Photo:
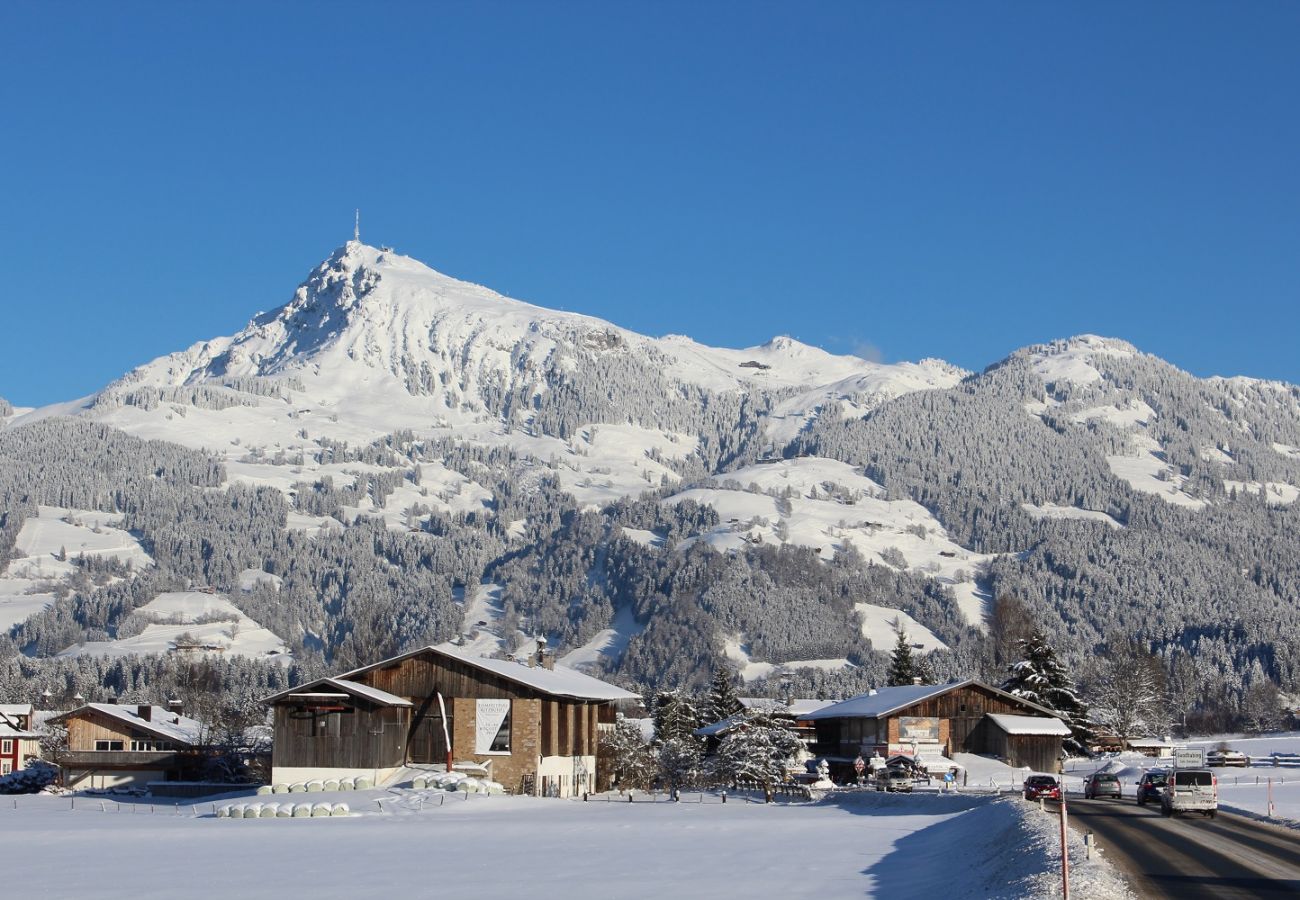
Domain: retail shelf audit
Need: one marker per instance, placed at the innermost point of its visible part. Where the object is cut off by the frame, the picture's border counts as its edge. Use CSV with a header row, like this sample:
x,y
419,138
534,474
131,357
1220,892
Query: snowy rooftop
x,y
7,731
162,722
560,681
797,708
1029,724
15,709
883,701
373,694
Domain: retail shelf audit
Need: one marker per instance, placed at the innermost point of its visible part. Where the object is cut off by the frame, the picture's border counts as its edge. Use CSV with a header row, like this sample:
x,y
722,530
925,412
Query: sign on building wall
x,y
918,728
489,716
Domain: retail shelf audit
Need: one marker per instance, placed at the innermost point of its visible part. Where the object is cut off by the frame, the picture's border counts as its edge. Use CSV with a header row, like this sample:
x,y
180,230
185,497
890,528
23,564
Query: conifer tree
x,y
902,668
1040,678
722,700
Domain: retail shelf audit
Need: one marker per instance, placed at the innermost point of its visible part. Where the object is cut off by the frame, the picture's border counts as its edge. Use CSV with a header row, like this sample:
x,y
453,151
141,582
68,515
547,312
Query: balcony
x,y
117,759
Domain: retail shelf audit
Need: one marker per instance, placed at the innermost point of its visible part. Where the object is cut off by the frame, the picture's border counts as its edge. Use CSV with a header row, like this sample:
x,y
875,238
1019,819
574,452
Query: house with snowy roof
x,y
112,745
531,724
18,741
930,722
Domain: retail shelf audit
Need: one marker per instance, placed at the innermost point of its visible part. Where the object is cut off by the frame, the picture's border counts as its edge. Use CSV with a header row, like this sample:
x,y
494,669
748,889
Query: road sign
x,y
1189,758
859,765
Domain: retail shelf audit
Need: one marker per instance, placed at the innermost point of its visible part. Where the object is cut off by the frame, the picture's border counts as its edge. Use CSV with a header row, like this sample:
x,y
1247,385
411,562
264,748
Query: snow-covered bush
x,y
37,776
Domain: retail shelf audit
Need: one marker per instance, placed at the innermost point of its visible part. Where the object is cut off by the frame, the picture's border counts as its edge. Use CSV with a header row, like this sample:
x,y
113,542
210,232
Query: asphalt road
x,y
1189,855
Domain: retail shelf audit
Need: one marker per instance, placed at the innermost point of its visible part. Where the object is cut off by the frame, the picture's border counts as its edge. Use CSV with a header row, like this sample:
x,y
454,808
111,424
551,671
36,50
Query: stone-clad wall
x,y
525,741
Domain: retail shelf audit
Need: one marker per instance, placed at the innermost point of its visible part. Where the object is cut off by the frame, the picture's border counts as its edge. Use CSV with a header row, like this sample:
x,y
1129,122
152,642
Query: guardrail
x,y
1277,760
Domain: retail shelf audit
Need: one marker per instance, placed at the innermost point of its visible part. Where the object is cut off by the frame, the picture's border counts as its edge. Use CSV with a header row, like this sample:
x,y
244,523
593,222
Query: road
x,y
1189,855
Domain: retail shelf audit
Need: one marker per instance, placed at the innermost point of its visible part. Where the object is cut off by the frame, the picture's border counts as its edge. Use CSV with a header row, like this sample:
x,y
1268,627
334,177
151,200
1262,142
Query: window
x,y
6,767
7,746
501,743
108,745
150,745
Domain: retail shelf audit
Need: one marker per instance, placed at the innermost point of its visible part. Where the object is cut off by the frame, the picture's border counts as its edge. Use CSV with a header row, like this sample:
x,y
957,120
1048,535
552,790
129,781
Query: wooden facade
x,y
113,750
545,743
959,716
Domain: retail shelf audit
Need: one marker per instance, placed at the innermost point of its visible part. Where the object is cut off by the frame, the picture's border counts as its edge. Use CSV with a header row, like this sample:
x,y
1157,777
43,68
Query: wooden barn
x,y
931,722
127,746
531,724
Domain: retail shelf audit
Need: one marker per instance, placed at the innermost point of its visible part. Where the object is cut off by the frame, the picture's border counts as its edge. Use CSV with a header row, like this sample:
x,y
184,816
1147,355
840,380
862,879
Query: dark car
x,y
1042,786
1101,784
1150,786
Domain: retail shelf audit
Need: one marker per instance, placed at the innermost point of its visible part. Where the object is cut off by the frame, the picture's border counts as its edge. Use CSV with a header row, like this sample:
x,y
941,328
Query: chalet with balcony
x,y
113,745
531,724
931,722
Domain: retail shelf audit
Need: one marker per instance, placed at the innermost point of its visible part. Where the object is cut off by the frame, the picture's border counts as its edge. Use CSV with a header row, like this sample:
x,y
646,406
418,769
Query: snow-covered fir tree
x,y
759,749
1040,678
902,667
631,762
722,700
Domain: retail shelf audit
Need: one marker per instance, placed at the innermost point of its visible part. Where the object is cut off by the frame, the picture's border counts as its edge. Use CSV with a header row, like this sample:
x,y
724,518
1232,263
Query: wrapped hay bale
x,y
252,810
363,783
279,788
223,812
269,810
264,790
331,784
347,784
315,786
298,787
302,810
340,809
321,810
420,782
283,810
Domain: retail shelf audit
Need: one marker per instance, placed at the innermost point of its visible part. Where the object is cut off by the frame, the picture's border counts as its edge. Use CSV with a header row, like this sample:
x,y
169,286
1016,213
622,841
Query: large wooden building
x,y
531,724
936,721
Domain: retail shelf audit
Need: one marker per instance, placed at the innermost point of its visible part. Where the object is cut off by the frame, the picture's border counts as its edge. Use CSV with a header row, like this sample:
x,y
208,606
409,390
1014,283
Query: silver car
x,y
1101,784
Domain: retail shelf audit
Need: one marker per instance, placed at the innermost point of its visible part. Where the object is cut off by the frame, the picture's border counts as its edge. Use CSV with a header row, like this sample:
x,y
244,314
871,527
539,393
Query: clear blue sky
x,y
898,179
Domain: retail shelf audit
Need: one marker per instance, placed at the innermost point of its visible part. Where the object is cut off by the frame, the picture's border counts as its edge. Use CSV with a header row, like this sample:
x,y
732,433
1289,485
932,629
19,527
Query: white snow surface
x,y
737,651
608,644
905,848
177,616
1276,493
28,583
1145,470
1072,359
1053,511
878,624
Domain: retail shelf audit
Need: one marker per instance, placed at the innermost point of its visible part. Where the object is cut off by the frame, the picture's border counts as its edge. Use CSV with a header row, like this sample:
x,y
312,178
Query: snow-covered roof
x,y
1029,724
373,694
7,731
797,708
886,700
1150,742
559,682
161,722
15,709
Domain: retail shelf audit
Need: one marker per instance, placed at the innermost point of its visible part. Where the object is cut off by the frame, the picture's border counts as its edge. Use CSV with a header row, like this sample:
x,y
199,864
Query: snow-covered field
x,y
49,544
855,845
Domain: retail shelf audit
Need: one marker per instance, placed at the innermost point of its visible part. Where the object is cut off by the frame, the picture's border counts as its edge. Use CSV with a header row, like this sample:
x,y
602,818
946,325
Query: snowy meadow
x,y
859,845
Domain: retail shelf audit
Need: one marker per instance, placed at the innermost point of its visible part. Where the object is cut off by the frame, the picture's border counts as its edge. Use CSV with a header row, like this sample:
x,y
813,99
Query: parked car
x,y
1042,786
1226,758
1151,785
1101,784
894,779
1190,790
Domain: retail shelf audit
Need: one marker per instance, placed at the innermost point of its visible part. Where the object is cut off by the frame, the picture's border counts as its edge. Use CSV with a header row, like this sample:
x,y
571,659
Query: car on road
x,y
1042,786
1226,758
1190,790
894,778
1151,786
1101,784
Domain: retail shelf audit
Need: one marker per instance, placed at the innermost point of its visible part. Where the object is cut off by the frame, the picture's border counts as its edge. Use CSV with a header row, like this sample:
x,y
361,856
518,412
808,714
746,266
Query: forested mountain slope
x,y
395,457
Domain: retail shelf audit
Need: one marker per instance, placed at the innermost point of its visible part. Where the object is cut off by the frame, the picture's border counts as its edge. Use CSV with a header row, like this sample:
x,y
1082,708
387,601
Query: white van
x,y
1190,790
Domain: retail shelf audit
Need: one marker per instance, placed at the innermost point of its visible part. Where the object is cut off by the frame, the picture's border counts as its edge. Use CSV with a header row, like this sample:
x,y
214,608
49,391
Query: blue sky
x,y
898,180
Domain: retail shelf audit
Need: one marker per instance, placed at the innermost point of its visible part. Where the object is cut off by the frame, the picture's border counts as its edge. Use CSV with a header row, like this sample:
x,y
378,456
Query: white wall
x,y
559,769
296,774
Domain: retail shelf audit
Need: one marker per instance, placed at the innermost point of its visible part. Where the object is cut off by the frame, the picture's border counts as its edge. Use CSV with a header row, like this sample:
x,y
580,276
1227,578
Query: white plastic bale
x,y
237,811
298,787
331,784
419,782
269,810
264,790
253,811
223,812
284,810
279,788
363,783
347,784
315,786
340,809
302,810
319,810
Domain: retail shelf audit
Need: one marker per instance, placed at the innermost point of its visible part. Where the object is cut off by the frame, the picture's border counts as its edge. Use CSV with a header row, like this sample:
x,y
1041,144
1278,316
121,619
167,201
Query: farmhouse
x,y
18,742
931,722
529,723
112,745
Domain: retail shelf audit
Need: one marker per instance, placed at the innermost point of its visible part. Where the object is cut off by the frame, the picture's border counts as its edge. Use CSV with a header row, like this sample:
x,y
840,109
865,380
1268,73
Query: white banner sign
x,y
488,716
1189,758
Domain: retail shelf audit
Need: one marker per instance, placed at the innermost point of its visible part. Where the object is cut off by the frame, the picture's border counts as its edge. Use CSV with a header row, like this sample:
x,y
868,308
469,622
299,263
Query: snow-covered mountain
x,y
474,464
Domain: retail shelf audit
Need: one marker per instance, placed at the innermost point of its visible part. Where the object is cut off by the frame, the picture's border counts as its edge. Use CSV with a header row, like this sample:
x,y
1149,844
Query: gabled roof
x,y
161,722
887,700
1029,724
8,731
798,708
558,682
351,688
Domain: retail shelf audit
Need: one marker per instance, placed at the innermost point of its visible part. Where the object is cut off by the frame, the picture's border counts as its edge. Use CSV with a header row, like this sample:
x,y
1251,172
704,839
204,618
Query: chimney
x,y
145,712
175,707
916,679
548,661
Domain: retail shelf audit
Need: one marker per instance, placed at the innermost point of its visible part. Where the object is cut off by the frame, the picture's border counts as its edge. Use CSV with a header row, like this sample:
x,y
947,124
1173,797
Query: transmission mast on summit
x,y
356,229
